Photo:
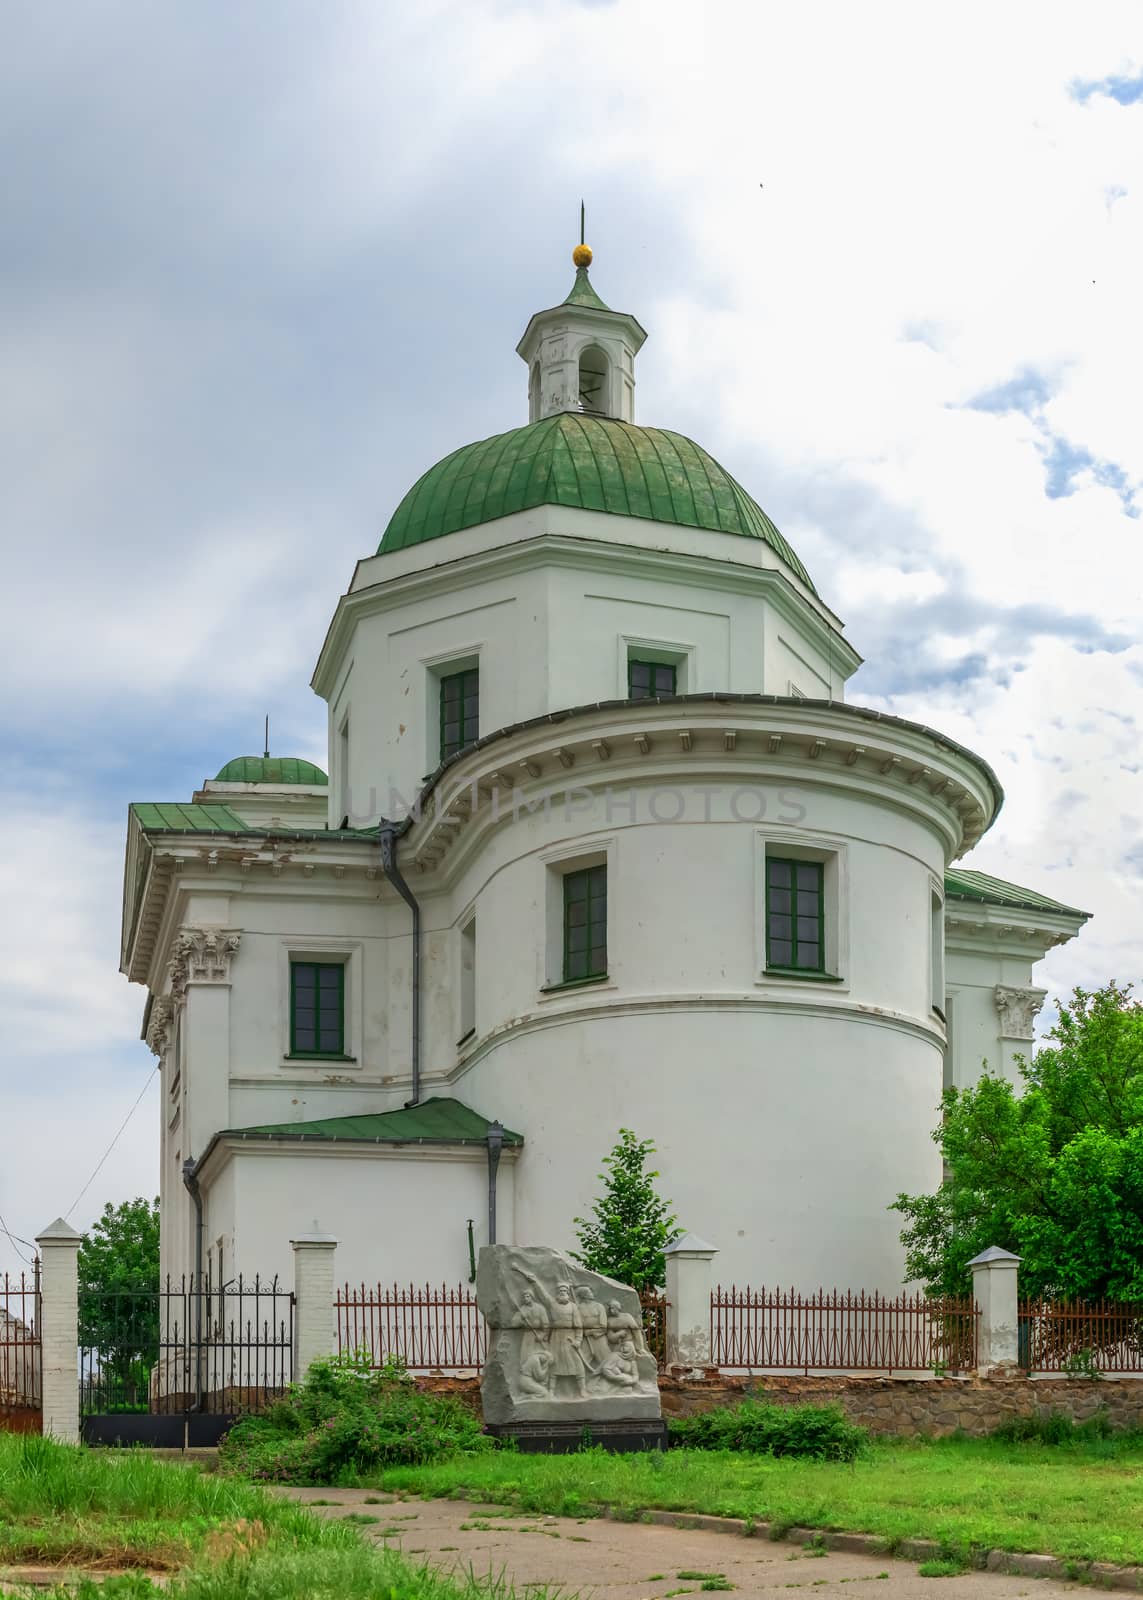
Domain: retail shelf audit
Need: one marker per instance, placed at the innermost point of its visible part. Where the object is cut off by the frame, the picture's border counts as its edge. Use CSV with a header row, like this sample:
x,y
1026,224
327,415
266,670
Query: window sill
x,y
318,1055
575,983
801,975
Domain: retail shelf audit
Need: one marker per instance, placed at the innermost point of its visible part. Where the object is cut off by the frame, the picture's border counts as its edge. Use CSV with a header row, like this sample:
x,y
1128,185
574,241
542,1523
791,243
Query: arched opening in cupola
x,y
534,392
594,381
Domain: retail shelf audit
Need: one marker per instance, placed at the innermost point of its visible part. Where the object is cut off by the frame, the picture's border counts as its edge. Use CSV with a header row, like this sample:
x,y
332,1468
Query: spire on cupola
x,y
581,354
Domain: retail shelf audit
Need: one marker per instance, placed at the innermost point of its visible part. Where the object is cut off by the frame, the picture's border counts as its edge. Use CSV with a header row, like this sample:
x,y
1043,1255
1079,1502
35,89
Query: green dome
x,y
595,463
270,769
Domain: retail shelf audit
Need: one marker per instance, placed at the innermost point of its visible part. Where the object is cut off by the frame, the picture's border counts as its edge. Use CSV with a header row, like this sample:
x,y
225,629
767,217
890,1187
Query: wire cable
x,y
15,1241
114,1142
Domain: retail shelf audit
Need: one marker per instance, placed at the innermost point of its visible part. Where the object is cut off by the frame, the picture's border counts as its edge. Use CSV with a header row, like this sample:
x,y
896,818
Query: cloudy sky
x,y
263,264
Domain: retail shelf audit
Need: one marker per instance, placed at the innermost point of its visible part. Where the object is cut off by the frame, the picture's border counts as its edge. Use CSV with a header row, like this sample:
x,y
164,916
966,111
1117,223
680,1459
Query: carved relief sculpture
x,y
202,955
1017,1009
564,1344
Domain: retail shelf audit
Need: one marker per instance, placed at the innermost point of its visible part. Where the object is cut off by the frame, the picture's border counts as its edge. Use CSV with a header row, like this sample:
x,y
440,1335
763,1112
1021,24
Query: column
x,y
994,1287
315,1330
59,1329
688,1301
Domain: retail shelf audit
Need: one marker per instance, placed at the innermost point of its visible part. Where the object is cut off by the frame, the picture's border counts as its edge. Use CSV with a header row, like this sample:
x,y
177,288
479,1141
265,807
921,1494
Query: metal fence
x,y
187,1346
1073,1336
428,1329
21,1367
654,1307
841,1331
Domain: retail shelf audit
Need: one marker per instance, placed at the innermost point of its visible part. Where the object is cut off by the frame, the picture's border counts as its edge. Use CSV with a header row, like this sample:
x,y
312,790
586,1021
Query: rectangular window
x,y
460,710
317,1008
646,679
585,924
795,915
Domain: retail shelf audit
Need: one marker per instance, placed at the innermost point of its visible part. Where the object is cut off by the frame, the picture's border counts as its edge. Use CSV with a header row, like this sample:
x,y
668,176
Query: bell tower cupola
x,y
581,354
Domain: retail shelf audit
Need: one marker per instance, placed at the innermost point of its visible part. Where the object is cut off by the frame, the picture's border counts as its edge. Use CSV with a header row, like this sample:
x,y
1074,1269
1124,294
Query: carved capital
x,y
201,955
163,1009
1017,1009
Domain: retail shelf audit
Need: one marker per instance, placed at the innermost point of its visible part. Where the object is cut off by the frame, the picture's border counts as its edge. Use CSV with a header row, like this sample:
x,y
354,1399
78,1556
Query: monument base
x,y
563,1438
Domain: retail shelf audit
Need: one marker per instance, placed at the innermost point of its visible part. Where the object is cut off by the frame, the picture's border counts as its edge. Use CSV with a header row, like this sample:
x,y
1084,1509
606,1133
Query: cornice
x,y
544,549
975,927
734,739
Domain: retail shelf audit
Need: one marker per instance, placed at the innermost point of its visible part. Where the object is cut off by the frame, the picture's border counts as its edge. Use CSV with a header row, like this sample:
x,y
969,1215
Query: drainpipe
x,y
387,837
495,1138
190,1180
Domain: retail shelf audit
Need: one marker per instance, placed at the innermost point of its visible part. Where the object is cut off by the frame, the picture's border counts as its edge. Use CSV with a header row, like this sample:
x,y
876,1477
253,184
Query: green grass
x,y
1082,1501
222,1539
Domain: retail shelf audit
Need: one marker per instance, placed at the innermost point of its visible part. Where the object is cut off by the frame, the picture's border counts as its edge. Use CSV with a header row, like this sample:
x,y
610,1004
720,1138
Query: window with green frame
x,y
646,679
317,1008
795,915
460,710
585,924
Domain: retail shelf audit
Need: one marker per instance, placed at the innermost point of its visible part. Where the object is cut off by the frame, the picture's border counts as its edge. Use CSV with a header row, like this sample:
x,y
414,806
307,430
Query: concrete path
x,y
634,1561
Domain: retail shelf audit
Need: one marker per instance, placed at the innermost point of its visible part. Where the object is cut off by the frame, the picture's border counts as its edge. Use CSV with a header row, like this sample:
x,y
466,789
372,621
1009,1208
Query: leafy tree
x,y
630,1225
1054,1174
119,1299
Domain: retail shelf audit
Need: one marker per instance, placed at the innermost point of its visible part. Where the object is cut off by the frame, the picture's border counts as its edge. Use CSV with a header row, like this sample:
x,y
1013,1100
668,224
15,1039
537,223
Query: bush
x,y
344,1420
1053,1427
759,1427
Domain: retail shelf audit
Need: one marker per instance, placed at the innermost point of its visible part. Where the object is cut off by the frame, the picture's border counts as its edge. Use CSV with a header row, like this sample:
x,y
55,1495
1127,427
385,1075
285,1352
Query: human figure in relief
x,y
621,1366
594,1318
565,1338
532,1317
535,1377
622,1325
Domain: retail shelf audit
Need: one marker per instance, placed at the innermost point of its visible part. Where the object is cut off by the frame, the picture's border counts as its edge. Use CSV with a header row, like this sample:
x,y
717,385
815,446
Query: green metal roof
x,y
582,293
175,817
594,463
434,1121
963,884
270,769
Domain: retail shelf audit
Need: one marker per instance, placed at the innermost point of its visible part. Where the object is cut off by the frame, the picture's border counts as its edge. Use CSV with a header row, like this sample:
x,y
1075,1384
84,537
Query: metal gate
x,y
175,1366
21,1366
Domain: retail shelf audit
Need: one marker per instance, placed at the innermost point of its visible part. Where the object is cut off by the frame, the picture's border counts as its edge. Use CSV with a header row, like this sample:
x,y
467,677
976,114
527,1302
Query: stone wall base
x,y
901,1407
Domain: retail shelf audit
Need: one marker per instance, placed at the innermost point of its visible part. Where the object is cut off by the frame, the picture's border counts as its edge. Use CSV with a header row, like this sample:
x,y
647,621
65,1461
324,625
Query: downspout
x,y
495,1139
190,1180
387,838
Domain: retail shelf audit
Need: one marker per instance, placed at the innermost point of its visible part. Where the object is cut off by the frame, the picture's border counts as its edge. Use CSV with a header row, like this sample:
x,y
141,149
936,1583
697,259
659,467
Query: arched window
x,y
594,381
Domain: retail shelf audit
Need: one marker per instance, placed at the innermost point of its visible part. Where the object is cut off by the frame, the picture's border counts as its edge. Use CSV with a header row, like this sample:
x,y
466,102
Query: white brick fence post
x,y
688,1301
995,1289
315,1327
59,1329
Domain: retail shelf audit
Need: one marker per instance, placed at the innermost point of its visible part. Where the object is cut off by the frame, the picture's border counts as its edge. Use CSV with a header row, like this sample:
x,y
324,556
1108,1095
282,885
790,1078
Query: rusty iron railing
x,y
654,1306
428,1329
841,1331
21,1366
1080,1337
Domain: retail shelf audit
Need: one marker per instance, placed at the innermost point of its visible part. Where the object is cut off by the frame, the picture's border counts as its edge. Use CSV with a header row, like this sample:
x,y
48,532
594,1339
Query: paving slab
x,y
644,1561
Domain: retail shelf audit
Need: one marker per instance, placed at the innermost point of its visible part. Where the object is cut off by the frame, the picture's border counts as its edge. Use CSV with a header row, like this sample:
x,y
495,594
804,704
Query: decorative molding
x,y
1017,1009
201,955
163,1009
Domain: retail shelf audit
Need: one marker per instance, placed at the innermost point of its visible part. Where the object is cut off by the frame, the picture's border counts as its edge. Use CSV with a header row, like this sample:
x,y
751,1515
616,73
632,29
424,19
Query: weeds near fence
x,y
758,1427
347,1419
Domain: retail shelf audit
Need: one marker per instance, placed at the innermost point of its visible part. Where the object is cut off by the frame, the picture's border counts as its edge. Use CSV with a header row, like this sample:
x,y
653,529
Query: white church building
x,y
602,845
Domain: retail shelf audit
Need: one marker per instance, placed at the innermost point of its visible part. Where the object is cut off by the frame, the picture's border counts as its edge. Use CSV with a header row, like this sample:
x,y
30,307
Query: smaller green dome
x,y
270,769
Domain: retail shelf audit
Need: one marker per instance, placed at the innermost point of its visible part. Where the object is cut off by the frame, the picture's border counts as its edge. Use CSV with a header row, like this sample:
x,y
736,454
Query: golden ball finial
x,y
581,255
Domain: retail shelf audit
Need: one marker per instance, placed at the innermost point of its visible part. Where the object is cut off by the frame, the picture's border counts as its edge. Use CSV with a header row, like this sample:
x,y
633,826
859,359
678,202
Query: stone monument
x,y
567,1362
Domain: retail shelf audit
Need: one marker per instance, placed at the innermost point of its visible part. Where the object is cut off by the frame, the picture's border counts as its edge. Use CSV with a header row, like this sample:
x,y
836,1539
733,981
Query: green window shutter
x,y
317,1008
585,924
647,679
460,710
795,915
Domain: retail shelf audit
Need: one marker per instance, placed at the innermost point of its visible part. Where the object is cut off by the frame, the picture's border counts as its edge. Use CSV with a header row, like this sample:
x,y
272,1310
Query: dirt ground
x,y
634,1561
